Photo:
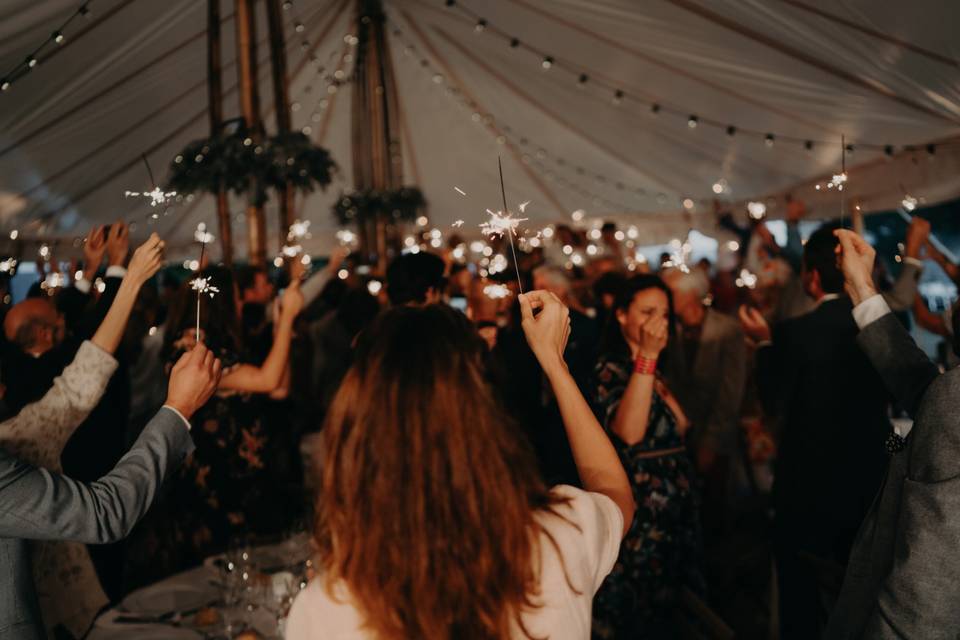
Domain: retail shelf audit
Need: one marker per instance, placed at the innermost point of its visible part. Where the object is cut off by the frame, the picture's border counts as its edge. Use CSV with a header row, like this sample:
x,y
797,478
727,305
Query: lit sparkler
x,y
501,223
156,196
202,286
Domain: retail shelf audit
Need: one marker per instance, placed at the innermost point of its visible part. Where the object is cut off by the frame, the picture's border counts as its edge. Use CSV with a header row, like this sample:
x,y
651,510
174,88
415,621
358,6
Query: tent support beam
x,y
215,95
281,103
250,107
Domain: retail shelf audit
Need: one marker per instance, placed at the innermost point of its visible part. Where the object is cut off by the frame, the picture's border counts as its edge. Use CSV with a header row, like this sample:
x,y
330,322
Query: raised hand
x,y
856,258
291,303
653,337
754,324
146,260
93,250
193,380
118,244
547,332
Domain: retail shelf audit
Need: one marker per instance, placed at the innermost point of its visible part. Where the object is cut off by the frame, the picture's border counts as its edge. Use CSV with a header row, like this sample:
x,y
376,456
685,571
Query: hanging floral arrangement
x,y
236,161
399,205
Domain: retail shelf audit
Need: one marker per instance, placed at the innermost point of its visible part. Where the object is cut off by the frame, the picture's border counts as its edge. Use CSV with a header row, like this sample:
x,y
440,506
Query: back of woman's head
x,y
428,497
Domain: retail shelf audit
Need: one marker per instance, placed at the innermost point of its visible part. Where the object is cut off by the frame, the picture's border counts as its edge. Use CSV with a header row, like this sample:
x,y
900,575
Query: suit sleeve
x,y
905,368
918,598
37,504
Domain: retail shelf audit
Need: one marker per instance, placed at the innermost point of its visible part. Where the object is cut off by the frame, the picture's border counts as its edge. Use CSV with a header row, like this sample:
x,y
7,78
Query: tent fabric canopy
x,y
130,79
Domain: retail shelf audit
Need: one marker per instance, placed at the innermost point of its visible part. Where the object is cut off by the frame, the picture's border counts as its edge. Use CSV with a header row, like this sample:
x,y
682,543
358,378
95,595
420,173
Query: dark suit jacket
x,y
36,504
833,410
903,578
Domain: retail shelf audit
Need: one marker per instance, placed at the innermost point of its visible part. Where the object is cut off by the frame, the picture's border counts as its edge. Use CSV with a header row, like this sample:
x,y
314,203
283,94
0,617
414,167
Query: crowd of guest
x,y
568,462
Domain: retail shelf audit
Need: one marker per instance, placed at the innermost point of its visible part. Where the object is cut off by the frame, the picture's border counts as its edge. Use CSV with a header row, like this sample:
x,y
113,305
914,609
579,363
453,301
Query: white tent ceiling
x,y
130,79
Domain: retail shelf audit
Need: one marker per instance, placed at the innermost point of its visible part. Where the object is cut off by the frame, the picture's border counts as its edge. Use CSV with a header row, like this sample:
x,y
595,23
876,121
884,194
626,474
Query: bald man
x,y
35,326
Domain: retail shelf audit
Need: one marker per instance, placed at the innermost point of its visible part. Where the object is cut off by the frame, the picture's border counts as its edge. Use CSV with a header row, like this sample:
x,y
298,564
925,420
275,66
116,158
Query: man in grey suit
x,y
903,577
706,368
36,504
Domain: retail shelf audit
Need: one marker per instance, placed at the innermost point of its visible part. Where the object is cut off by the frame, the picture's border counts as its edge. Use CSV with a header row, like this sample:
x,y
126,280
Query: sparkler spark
x,y
157,196
203,286
523,205
299,230
458,224
460,191
203,236
501,223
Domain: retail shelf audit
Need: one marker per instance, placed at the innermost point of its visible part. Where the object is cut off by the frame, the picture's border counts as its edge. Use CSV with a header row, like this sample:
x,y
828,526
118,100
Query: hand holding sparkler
x,y
856,258
547,332
193,380
146,260
291,304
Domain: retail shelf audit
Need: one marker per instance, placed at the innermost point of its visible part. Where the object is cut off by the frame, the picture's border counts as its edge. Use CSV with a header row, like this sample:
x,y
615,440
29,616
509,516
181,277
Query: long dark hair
x,y
218,315
428,498
612,342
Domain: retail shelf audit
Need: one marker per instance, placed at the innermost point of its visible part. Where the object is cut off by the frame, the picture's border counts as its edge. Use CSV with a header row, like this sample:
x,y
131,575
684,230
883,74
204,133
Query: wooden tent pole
x,y
250,107
376,132
215,94
281,101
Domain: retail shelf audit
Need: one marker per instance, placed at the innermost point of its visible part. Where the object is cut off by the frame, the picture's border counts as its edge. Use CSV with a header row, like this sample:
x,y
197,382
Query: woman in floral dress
x,y
224,490
662,551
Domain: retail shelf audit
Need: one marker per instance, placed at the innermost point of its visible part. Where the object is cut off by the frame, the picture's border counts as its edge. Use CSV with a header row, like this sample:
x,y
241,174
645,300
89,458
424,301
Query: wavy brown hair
x,y
428,500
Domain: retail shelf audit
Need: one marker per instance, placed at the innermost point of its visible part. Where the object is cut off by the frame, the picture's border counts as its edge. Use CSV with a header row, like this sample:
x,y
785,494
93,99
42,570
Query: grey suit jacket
x,y
903,577
711,390
36,504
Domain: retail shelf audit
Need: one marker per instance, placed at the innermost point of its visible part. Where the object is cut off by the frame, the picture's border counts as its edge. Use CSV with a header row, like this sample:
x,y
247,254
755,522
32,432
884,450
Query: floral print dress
x,y
662,551
222,492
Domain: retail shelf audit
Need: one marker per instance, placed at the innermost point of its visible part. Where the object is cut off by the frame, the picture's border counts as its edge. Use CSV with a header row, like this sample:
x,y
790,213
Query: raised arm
x,y
79,388
905,368
597,462
631,414
40,505
268,376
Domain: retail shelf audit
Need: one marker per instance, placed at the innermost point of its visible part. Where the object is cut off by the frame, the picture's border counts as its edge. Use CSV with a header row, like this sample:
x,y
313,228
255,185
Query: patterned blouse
x,y
67,585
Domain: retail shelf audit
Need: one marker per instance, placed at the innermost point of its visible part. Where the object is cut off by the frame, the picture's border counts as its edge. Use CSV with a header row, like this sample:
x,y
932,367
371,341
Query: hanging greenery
x,y
232,160
400,205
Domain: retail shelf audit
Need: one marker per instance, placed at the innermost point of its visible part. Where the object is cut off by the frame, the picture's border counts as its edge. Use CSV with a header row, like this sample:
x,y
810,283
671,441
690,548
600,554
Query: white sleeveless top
x,y
588,556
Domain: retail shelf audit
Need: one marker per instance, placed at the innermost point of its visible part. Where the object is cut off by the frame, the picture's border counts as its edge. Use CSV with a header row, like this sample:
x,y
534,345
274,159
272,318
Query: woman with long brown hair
x,y
432,520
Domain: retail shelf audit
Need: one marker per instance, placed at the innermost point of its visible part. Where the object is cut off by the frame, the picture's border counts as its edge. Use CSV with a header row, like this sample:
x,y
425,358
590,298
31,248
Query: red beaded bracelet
x,y
645,366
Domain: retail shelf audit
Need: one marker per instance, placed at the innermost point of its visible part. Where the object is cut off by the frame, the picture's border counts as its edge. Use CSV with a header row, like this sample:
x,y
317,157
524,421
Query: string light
x,y
578,72
56,37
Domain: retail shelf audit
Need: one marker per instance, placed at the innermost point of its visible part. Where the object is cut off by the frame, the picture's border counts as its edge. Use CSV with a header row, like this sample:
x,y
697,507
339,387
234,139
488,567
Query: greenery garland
x,y
403,204
230,161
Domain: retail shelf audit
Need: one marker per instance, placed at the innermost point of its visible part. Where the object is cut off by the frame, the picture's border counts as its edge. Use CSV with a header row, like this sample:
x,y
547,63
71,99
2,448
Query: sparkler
x,y
299,231
157,196
202,286
503,222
